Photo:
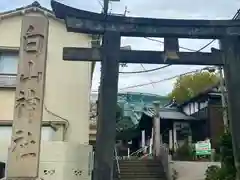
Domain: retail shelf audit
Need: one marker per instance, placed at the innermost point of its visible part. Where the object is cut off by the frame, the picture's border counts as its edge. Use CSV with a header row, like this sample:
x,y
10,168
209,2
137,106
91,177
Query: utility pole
x,y
105,7
223,94
126,11
223,97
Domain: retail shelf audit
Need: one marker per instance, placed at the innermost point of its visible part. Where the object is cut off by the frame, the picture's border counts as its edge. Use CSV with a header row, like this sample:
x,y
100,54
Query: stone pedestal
x,y
65,161
61,160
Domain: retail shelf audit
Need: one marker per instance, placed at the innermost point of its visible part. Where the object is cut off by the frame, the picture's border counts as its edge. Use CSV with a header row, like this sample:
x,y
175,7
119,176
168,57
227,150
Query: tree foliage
x,y
190,85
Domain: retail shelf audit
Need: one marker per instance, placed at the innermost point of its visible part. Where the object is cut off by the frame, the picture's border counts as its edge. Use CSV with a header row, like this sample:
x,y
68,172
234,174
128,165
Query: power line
x,y
155,69
181,47
149,78
144,71
100,3
159,81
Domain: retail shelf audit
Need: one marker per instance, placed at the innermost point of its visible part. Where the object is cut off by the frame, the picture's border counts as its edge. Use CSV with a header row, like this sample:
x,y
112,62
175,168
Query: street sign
x,y
203,147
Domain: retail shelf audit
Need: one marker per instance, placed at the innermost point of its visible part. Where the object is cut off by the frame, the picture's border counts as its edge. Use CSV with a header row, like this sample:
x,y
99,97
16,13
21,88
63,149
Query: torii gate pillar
x,y
230,48
106,126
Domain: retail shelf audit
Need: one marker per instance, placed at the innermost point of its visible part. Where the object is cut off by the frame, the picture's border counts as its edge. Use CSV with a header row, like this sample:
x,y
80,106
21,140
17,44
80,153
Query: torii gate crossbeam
x,y
144,57
94,23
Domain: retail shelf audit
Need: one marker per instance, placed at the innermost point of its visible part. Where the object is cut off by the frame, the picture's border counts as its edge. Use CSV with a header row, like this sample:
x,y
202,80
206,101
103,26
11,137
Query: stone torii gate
x,y
110,55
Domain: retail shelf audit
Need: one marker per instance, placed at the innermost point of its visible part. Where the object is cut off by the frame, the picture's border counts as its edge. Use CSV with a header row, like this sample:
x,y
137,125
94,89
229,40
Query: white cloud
x,y
184,9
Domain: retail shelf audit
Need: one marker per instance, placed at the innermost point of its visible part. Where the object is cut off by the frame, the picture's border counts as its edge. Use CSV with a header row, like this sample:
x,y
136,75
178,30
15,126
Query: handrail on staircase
x,y
117,161
139,151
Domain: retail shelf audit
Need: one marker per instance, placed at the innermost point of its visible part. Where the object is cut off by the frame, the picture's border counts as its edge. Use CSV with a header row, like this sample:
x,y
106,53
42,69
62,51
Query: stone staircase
x,y
141,169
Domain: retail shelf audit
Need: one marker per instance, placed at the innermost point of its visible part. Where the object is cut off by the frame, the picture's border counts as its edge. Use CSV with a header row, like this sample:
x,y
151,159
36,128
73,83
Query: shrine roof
x,y
169,113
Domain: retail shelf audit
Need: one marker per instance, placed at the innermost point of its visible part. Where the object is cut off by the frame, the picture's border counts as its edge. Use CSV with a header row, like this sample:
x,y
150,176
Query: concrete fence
x,y
186,170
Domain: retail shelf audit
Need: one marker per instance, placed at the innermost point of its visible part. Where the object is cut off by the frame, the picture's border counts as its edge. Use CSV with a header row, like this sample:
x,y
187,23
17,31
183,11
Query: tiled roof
x,y
174,114
168,113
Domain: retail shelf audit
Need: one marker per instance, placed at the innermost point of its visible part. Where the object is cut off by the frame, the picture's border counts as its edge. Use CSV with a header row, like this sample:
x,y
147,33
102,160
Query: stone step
x,y
148,169
140,161
137,169
142,175
142,172
137,178
140,166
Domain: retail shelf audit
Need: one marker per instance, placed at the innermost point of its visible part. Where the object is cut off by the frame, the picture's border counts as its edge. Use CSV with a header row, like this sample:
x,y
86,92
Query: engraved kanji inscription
x,y
31,71
26,104
23,142
33,42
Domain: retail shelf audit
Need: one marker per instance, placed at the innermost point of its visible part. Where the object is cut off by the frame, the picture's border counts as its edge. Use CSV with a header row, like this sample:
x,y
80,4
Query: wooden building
x,y
207,107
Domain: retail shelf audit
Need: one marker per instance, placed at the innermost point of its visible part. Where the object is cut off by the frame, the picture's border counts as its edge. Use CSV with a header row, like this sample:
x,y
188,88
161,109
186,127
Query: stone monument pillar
x,y
24,153
28,159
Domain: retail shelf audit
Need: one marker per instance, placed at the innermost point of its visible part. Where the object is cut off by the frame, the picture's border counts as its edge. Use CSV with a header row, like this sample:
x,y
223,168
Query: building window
x,y
6,133
2,170
9,62
186,109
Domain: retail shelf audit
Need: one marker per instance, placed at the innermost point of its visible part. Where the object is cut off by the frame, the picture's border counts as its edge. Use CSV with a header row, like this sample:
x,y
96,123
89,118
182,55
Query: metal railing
x,y
136,153
141,153
8,80
117,163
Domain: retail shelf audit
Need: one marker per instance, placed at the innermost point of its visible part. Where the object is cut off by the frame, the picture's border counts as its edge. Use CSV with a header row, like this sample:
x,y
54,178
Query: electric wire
x,y
100,3
149,78
144,71
156,69
181,47
162,80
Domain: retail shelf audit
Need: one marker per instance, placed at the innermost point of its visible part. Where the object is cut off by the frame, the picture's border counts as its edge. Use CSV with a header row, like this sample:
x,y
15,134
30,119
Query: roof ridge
x,y
35,4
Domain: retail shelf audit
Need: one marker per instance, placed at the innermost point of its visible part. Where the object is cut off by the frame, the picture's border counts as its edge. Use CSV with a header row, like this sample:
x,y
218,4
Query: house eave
x,y
28,9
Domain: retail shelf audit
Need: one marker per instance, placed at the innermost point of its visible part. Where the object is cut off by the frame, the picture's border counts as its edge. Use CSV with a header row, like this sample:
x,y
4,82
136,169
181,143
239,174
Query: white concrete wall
x,y
191,170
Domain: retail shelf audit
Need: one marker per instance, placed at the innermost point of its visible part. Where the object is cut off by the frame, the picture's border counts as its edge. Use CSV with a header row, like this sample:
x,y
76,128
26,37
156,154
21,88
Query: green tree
x,y
190,85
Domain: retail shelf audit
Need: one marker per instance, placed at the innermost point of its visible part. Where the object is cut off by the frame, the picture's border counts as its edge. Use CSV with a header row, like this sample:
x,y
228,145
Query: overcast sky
x,y
181,9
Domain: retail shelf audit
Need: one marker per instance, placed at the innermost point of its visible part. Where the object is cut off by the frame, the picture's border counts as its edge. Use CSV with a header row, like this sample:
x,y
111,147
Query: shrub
x,y
227,170
184,153
212,173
